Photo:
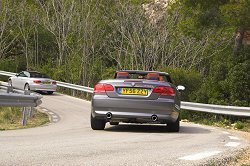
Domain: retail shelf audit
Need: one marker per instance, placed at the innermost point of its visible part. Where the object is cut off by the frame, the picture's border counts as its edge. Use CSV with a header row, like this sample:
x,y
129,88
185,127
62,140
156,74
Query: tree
x,y
230,15
7,37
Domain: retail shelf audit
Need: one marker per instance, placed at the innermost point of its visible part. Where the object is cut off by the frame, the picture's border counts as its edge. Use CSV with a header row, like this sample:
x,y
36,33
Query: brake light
x,y
108,87
164,90
54,82
37,81
103,88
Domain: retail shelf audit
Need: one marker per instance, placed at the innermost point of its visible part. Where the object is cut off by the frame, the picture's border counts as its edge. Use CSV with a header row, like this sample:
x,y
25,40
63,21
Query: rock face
x,y
156,10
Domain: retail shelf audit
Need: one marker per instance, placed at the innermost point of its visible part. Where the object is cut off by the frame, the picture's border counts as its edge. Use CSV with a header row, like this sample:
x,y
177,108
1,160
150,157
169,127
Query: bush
x,y
239,125
190,79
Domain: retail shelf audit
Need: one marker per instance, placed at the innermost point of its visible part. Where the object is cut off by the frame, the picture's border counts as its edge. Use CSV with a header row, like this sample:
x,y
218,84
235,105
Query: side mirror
x,y
17,75
180,88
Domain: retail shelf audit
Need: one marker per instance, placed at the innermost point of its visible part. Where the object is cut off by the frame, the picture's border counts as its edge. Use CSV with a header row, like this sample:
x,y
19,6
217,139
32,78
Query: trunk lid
x,y
134,88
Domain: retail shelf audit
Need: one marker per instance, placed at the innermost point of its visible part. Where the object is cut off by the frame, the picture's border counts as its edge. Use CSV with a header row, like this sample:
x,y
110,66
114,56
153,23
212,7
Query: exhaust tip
x,y
154,118
109,115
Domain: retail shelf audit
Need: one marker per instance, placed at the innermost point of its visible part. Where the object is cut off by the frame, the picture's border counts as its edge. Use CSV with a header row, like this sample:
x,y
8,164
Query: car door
x,y
14,80
19,80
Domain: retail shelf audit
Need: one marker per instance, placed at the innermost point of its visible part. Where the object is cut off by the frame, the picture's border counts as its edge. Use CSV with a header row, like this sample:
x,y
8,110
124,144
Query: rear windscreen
x,y
38,75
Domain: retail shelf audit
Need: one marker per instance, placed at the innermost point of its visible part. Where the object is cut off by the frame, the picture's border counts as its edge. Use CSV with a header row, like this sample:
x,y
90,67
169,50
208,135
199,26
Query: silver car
x,y
135,96
34,81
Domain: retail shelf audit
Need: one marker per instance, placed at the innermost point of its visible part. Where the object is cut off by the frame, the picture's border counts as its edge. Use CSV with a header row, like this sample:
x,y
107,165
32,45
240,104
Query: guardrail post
x,y
30,112
24,121
73,92
26,111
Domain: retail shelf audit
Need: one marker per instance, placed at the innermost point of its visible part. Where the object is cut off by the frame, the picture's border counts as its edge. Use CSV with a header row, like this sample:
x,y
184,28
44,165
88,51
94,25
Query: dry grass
x,y
11,118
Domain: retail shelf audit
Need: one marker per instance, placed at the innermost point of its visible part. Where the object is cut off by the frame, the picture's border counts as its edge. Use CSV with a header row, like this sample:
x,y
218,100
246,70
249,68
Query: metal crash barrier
x,y
210,108
10,97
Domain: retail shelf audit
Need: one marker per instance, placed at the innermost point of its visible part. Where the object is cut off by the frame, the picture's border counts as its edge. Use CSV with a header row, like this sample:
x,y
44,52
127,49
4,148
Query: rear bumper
x,y
134,110
49,87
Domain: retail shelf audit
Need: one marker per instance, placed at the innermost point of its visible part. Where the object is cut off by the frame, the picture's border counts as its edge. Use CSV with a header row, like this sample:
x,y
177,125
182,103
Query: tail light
x,y
37,81
54,82
99,88
164,90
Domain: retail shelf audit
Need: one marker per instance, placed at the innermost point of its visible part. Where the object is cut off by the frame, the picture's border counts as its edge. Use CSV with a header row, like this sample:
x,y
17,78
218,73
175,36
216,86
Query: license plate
x,y
134,91
46,82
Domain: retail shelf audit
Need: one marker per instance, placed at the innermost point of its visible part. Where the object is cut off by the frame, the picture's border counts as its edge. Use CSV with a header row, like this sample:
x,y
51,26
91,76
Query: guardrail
x,y
216,109
210,108
75,87
18,98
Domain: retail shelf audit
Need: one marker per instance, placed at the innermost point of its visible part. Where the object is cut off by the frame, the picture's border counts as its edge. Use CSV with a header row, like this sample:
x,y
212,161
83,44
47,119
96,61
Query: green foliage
x,y
226,84
13,64
239,125
238,81
216,120
140,2
227,79
108,73
83,43
198,16
190,79
236,13
53,70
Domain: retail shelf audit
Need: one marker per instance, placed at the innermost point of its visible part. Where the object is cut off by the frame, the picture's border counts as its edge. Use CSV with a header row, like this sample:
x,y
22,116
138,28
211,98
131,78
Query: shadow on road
x,y
155,129
46,94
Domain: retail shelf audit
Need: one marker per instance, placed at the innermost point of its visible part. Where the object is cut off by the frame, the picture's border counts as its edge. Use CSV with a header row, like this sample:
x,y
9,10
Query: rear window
x,y
38,75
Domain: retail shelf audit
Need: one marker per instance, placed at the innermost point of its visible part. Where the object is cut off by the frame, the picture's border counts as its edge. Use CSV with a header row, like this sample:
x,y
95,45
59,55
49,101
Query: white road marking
x,y
54,116
225,132
51,113
234,138
55,120
45,110
232,144
199,156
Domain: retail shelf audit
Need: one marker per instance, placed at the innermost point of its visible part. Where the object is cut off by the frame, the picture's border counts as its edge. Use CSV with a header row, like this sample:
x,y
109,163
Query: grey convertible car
x,y
32,80
135,96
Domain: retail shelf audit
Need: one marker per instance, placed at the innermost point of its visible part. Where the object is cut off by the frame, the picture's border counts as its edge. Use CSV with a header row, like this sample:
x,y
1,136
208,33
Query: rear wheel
x,y
174,127
114,123
97,124
26,87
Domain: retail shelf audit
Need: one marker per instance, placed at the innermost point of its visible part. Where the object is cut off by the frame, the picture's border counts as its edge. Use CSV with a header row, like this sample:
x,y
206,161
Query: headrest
x,y
153,76
122,75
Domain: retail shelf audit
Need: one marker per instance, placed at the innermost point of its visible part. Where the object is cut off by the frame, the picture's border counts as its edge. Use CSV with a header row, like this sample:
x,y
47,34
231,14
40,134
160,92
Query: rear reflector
x,y
54,82
164,90
103,88
37,81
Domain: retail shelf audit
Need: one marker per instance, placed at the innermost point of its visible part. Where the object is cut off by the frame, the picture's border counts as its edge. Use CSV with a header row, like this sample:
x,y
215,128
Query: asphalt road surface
x,y
69,140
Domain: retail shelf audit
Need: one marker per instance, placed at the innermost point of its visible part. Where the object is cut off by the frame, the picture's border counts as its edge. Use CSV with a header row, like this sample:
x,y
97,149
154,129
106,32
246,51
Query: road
x,y
69,140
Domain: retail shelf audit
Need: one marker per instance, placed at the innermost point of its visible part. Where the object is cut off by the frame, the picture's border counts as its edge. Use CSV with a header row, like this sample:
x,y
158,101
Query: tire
x,y
50,92
174,127
114,123
26,87
97,124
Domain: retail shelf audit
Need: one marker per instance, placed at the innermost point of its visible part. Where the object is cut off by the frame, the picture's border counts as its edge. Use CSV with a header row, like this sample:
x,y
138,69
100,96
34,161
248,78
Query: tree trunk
x,y
238,40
